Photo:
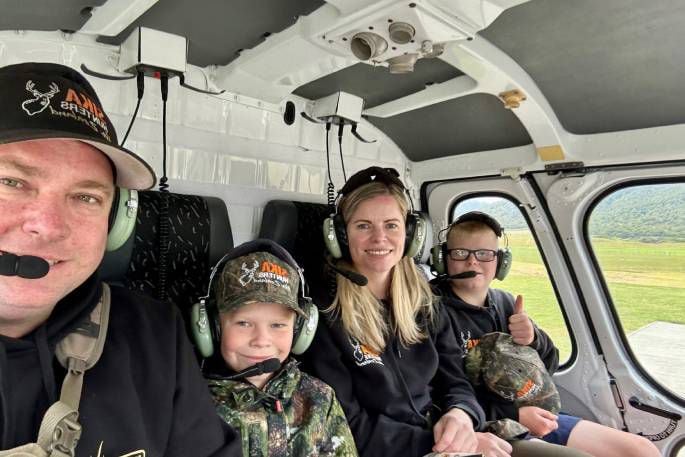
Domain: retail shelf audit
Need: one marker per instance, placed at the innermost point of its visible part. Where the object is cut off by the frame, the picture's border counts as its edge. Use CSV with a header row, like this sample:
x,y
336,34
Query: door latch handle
x,y
636,403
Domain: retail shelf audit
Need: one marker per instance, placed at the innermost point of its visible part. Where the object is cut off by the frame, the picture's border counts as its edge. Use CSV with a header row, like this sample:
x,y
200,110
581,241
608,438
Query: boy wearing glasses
x,y
472,254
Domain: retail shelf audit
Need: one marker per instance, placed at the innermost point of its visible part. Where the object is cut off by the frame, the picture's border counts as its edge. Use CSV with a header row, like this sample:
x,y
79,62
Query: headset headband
x,y
369,175
477,216
388,176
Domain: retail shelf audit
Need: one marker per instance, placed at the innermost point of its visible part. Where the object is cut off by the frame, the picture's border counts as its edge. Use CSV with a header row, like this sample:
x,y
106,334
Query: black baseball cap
x,y
46,100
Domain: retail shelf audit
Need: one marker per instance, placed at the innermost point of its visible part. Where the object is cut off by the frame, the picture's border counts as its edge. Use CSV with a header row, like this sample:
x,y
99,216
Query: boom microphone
x,y
357,278
267,366
24,266
462,275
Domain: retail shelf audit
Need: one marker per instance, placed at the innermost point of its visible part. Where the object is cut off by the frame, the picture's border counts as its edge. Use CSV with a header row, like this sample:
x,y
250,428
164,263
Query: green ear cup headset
x,y
122,217
334,227
204,315
504,256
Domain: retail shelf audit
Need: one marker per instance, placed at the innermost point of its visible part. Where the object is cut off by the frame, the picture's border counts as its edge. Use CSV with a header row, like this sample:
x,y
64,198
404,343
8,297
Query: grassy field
x,y
646,281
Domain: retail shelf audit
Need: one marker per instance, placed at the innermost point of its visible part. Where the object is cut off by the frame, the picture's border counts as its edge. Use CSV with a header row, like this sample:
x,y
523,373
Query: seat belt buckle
x,y
65,437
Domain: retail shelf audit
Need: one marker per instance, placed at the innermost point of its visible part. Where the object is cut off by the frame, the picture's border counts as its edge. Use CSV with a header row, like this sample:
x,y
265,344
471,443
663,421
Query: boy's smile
x,y
254,333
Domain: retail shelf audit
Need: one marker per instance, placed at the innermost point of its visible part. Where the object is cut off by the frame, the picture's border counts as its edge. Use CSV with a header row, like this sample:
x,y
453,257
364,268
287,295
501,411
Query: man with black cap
x,y
144,395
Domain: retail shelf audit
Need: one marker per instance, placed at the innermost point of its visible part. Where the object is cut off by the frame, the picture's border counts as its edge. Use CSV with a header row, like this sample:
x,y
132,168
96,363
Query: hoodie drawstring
x,y
45,357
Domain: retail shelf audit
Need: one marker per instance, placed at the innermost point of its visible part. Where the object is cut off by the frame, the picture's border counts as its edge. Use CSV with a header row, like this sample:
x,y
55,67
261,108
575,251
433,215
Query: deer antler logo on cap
x,y
40,101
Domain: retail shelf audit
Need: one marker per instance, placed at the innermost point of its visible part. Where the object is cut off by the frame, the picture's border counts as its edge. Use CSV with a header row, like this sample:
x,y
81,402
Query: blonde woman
x,y
384,347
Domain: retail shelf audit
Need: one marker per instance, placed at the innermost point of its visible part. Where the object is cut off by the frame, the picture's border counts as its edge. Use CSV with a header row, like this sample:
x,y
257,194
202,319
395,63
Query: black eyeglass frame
x,y
475,253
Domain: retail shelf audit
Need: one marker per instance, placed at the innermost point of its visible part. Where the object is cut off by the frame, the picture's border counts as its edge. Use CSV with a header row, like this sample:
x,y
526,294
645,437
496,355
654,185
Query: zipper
x,y
396,371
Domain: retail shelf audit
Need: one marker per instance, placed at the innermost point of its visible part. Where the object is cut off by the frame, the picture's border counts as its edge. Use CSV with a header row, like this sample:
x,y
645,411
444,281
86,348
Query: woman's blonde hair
x,y
364,317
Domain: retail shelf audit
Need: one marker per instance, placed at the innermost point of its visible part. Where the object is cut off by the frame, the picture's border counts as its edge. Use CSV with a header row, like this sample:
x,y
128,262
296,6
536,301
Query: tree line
x,y
648,213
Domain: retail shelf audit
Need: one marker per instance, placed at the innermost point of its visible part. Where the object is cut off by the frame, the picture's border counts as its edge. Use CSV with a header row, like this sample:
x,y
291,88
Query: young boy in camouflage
x,y
287,412
475,310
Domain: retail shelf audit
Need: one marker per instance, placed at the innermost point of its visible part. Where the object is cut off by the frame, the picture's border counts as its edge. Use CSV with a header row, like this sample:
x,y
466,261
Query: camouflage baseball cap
x,y
512,371
507,429
258,277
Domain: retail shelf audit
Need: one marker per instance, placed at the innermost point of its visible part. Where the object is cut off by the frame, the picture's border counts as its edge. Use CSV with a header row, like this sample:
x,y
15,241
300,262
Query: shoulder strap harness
x,y
77,352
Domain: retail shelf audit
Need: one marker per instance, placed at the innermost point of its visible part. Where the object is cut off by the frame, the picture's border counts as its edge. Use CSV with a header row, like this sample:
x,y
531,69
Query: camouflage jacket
x,y
294,415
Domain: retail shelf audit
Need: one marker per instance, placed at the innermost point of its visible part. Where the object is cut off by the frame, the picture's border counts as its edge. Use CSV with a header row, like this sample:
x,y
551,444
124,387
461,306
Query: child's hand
x,y
492,445
454,432
520,326
539,421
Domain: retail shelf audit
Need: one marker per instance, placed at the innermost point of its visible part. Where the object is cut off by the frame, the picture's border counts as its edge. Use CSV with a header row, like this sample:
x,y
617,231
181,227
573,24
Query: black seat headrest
x,y
298,227
199,233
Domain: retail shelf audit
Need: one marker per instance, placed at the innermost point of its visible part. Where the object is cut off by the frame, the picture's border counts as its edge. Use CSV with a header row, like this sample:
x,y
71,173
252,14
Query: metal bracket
x,y
512,98
90,72
358,136
575,168
514,173
196,89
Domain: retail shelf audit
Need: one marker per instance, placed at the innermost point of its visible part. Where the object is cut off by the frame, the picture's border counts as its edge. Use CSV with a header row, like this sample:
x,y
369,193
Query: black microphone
x,y
357,278
267,366
24,266
462,275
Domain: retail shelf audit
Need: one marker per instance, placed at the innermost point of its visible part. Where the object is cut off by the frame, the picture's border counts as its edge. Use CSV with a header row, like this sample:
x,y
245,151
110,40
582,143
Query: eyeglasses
x,y
482,255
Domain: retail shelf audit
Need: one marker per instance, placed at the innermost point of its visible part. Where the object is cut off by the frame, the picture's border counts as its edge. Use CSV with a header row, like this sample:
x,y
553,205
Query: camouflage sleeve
x,y
196,429
338,431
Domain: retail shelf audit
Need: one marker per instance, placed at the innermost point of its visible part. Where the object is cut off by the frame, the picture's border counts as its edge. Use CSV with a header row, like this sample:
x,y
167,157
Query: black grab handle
x,y
636,403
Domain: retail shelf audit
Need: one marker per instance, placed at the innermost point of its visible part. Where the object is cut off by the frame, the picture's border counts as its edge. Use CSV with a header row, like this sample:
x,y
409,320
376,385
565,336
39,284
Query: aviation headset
x,y
204,315
334,227
504,256
122,217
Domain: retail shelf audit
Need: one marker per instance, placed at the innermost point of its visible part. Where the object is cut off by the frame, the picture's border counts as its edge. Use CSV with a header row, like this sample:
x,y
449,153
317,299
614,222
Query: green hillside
x,y
650,213
645,213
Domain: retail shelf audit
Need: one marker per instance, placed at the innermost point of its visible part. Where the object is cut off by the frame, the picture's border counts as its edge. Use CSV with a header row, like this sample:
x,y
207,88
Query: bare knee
x,y
638,446
642,447
601,441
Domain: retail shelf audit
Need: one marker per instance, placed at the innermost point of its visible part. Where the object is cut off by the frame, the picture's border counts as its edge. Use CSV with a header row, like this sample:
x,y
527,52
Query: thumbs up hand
x,y
520,326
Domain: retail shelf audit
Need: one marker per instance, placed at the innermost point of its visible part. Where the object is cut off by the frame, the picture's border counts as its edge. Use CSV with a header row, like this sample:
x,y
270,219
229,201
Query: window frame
x,y
587,240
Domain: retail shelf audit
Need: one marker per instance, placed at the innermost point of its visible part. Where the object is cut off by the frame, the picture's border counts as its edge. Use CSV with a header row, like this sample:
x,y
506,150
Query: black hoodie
x,y
387,397
144,394
470,322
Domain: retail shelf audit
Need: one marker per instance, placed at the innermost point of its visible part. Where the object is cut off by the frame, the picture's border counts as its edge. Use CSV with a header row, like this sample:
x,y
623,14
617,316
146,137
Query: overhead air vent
x,y
397,36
